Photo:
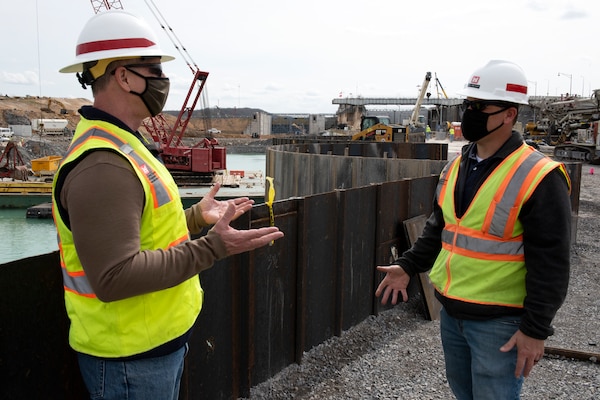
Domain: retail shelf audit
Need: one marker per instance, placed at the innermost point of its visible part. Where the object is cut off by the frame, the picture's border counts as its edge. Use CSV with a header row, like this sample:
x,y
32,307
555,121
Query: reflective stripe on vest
x,y
513,194
482,259
499,221
476,247
161,194
77,282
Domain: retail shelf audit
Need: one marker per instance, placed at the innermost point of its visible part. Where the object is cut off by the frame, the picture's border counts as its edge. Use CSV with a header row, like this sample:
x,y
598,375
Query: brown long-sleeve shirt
x,y
104,200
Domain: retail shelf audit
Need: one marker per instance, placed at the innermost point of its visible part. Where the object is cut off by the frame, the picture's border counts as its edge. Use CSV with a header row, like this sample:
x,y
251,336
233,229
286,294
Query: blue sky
x,y
296,56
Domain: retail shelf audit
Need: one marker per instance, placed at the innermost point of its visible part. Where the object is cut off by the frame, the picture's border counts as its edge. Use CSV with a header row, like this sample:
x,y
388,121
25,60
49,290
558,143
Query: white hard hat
x,y
497,80
111,35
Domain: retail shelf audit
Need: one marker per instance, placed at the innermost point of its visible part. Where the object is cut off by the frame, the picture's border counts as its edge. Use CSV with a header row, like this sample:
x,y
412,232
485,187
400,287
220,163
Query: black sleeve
x,y
421,256
546,219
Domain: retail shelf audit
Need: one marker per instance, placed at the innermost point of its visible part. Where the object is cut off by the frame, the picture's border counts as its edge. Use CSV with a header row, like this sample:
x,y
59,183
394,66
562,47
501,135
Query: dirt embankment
x,y
21,110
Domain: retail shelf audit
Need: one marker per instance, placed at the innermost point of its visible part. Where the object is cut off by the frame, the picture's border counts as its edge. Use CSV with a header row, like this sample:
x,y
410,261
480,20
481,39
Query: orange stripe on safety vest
x,y
88,295
482,256
501,192
182,239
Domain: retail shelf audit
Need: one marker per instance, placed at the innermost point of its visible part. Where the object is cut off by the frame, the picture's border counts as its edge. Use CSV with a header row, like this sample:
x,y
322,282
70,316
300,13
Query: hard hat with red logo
x,y
497,80
109,36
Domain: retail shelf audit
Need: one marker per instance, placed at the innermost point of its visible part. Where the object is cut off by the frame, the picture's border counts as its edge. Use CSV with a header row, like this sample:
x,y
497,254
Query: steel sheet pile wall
x,y
263,309
305,169
266,308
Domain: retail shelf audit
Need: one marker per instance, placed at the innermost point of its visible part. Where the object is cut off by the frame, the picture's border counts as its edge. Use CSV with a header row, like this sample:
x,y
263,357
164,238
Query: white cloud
x,y
297,57
19,78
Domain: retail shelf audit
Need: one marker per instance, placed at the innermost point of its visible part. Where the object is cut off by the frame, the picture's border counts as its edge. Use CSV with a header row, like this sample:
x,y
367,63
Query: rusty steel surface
x,y
302,173
270,291
425,151
317,270
395,205
36,360
355,256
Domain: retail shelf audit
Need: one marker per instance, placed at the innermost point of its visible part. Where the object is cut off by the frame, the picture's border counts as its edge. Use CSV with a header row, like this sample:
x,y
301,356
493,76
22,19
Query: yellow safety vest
x,y
482,258
138,324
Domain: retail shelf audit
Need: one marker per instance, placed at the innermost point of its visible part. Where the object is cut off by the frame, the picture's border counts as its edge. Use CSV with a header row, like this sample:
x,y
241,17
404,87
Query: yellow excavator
x,y
379,128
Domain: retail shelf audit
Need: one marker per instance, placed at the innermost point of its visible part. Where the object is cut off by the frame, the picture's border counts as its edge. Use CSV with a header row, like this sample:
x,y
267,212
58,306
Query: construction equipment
x,y
380,129
186,163
438,86
414,123
570,125
12,164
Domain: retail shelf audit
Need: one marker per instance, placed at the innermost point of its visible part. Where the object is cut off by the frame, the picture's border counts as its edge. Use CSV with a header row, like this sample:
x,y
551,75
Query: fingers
x,y
240,200
240,241
242,207
404,295
213,190
508,346
395,282
245,240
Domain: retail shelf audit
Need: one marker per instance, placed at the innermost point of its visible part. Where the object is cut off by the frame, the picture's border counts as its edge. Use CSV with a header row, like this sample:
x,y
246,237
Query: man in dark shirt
x,y
497,244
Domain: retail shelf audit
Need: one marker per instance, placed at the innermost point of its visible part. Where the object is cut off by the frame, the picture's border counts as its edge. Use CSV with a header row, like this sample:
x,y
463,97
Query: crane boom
x,y
415,114
100,5
437,82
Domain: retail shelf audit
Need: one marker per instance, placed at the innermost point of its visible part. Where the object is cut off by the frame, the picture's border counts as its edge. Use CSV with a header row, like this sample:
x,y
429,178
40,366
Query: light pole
x,y
535,94
582,86
535,87
570,82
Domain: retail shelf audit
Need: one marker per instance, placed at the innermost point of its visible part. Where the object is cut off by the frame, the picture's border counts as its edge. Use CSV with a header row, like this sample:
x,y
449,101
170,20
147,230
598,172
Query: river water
x,y
26,237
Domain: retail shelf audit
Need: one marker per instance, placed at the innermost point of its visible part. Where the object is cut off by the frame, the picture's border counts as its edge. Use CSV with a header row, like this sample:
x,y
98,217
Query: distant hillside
x,y
217,112
21,110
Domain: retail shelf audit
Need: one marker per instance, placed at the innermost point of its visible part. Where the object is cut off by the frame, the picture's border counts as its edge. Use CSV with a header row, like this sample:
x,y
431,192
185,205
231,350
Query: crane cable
x,y
172,36
178,45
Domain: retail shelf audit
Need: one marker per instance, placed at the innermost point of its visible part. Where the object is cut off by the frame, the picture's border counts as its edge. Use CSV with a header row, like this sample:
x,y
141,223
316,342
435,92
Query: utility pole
x,y
570,82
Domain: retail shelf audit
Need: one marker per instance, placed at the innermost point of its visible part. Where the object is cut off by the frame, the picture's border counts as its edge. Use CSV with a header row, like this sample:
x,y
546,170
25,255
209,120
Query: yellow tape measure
x,y
269,202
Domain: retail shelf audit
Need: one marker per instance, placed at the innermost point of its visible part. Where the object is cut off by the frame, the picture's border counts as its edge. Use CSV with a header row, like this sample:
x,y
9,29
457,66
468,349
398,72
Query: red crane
x,y
201,160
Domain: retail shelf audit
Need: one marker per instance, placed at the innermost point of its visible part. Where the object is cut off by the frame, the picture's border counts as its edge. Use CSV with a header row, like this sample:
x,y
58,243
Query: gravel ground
x,y
398,354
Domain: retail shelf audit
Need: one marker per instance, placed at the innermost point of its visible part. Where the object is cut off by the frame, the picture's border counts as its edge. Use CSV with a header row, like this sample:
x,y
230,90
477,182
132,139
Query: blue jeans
x,y
152,378
475,366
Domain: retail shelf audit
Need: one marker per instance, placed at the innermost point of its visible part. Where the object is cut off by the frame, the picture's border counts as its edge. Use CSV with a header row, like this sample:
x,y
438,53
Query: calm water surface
x,y
26,237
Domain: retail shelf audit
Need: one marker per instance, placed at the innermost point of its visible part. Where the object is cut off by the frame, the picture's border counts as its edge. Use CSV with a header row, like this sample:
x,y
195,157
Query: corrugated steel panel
x,y
356,255
36,360
269,294
317,270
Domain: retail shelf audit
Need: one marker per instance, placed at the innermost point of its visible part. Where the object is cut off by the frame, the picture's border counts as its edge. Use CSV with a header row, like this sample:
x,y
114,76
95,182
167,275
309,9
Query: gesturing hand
x,y
212,210
240,241
396,281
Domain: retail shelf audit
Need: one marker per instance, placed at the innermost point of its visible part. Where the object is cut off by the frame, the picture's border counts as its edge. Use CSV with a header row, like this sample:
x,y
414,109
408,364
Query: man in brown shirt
x,y
129,269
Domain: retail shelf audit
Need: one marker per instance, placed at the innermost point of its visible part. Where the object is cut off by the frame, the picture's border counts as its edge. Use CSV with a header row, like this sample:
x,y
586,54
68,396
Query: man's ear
x,y
512,113
122,78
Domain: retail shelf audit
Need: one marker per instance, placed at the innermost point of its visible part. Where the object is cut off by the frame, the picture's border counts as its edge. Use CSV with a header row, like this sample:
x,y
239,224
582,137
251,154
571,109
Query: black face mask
x,y
474,124
156,93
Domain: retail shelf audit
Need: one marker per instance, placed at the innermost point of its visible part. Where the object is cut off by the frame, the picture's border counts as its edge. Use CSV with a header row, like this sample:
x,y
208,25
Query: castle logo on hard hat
x,y
474,82
513,87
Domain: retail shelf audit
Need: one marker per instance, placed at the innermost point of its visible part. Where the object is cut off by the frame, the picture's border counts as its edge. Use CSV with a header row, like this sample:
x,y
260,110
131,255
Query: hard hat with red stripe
x,y
113,35
497,80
